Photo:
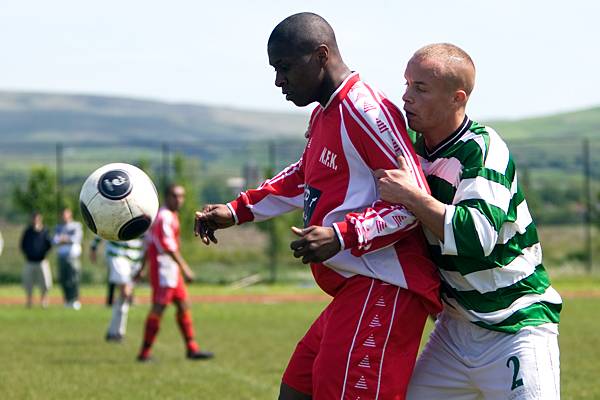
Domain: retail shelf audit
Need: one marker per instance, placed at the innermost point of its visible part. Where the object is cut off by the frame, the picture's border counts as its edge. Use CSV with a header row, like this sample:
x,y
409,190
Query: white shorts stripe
x,y
385,343
354,338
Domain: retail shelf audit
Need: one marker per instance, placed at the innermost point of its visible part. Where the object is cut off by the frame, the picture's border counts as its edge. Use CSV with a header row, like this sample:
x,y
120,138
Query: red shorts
x,y
363,345
165,295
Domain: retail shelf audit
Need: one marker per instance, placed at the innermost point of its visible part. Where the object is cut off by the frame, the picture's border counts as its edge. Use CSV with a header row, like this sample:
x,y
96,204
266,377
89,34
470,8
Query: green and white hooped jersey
x,y
132,250
491,259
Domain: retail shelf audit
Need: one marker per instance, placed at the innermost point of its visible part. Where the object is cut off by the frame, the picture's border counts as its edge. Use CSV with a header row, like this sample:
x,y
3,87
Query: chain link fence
x,y
561,179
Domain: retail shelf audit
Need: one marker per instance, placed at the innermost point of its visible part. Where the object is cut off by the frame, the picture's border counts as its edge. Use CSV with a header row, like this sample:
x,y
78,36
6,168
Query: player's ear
x,y
322,53
460,98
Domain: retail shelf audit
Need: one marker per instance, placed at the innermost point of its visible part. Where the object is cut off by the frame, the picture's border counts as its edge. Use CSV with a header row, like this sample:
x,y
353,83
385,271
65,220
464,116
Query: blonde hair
x,y
455,66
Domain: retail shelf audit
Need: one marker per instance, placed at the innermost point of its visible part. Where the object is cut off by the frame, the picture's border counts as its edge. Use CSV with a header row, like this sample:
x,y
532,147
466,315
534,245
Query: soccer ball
x,y
118,202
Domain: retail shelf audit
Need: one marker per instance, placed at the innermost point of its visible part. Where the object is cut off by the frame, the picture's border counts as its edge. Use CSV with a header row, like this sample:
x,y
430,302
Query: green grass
x,y
580,349
60,354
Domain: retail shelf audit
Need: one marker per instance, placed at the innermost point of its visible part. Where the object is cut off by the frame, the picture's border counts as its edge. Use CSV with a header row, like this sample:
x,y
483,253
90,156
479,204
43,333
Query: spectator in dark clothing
x,y
35,245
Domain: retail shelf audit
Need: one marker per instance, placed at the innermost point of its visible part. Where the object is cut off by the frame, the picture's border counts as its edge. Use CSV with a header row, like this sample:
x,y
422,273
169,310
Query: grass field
x,y
60,354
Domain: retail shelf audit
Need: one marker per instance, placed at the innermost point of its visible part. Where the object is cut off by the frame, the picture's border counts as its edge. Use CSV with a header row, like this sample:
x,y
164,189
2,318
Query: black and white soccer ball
x,y
118,202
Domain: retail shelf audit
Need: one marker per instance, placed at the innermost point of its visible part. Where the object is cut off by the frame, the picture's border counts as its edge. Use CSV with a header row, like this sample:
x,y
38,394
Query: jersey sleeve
x,y
486,199
22,242
164,232
377,130
78,234
275,196
47,240
57,233
95,243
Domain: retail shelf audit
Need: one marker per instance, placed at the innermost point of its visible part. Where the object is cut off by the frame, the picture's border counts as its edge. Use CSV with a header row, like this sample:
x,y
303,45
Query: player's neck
x,y
438,134
334,78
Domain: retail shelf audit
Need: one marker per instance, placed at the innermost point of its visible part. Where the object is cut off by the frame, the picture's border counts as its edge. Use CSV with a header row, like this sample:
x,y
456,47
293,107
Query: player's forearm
x,y
142,267
376,227
278,195
178,258
143,261
429,211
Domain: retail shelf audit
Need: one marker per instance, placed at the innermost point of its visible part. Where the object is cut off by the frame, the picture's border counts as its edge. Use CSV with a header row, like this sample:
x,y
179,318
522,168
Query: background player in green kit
x,y
497,337
124,260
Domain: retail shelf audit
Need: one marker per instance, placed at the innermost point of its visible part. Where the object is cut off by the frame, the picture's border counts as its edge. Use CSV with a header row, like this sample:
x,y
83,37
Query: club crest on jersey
x,y
311,198
328,158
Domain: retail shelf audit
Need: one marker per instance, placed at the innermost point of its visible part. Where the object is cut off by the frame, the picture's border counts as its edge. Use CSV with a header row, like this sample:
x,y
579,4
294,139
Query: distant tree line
x,y
556,195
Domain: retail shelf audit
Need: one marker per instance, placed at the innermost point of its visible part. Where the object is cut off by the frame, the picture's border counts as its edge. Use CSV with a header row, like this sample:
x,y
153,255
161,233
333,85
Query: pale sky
x,y
533,57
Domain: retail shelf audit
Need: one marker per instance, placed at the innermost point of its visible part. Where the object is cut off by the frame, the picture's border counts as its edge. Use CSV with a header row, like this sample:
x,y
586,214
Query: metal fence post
x,y
164,175
588,203
59,178
273,256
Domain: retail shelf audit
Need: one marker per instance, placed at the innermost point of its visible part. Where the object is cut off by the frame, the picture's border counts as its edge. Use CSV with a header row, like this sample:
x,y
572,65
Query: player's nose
x,y
279,79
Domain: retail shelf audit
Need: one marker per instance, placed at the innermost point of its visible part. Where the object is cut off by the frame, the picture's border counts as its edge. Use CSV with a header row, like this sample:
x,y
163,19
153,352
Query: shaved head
x,y
450,63
304,53
302,33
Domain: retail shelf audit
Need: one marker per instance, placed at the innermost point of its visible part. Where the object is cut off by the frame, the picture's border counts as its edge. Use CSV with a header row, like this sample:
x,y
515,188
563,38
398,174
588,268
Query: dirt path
x,y
217,298
580,294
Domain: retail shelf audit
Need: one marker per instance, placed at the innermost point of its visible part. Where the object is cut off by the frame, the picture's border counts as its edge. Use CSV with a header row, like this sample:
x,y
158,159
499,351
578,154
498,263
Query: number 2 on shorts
x,y
515,382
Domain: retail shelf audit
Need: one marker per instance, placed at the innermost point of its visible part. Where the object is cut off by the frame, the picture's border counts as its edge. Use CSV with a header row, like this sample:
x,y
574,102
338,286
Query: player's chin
x,y
298,102
413,123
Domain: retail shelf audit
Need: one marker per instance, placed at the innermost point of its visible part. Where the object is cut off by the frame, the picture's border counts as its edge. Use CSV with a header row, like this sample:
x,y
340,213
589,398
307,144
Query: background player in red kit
x,y
369,255
167,272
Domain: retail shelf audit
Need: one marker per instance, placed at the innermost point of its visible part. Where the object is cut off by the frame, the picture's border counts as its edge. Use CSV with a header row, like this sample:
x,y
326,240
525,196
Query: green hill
x,y
576,124
48,118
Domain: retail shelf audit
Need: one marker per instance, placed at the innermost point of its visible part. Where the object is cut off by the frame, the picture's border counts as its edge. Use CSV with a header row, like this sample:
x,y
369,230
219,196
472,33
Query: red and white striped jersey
x,y
162,237
356,133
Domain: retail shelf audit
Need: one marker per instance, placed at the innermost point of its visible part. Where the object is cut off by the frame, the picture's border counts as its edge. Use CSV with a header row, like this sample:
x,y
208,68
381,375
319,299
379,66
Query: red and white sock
x,y
184,320
150,332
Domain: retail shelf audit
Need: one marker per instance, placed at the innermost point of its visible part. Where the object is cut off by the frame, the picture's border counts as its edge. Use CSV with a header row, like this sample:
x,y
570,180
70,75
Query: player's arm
x,y
22,241
77,236
168,242
47,239
275,196
397,186
94,249
379,135
58,237
141,270
315,243
278,195
211,218
481,206
471,224
185,269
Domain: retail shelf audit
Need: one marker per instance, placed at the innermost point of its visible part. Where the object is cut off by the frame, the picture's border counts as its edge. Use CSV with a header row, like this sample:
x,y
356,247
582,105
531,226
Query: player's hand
x,y
138,275
395,184
188,275
93,256
315,244
211,218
